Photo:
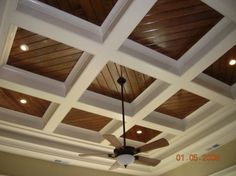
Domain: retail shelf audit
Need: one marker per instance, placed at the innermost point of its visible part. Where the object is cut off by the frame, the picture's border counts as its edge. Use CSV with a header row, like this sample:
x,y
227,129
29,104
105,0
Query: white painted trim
x,y
233,91
200,114
79,133
81,64
214,84
27,79
155,99
230,171
224,135
7,31
226,7
126,22
165,120
107,103
19,118
7,48
148,65
113,17
198,88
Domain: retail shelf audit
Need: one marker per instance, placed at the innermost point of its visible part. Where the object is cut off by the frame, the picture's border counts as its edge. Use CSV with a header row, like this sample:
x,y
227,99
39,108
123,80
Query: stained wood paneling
x,y
146,135
174,26
221,70
45,57
86,120
94,11
182,104
106,82
11,100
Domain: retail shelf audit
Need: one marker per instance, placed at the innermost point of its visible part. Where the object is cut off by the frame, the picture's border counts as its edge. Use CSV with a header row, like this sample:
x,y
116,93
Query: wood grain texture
x,y
174,26
106,82
94,11
86,120
147,134
45,57
221,70
11,100
182,104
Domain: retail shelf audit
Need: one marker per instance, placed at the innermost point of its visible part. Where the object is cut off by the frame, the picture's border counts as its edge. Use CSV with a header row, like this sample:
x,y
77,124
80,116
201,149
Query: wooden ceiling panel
x,y
45,57
146,135
221,70
182,104
106,82
86,120
11,100
94,11
172,27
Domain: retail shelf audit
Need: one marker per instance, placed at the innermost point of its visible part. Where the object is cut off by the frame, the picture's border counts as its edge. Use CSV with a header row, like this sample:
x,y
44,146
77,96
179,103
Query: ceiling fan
x,y
126,155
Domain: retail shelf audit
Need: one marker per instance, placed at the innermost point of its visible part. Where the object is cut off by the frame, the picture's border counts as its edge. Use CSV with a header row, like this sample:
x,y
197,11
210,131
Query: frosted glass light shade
x,y
125,159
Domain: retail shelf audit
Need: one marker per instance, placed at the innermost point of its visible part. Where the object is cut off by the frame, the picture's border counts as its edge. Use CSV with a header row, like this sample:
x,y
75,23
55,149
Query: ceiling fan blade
x,y
153,145
95,154
147,161
113,140
115,166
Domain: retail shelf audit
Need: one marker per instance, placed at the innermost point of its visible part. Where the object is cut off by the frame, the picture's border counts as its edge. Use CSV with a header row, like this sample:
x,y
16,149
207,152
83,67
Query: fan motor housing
x,y
124,150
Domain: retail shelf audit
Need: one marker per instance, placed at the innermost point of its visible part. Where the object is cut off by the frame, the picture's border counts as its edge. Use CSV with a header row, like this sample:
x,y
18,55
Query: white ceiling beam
x,y
148,65
20,119
158,97
31,84
201,90
124,23
7,32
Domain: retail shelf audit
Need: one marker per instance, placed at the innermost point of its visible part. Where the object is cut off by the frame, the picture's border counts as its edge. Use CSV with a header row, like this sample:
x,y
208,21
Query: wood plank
x,y
34,46
146,135
221,70
86,120
45,57
27,40
11,100
107,85
175,20
179,105
94,11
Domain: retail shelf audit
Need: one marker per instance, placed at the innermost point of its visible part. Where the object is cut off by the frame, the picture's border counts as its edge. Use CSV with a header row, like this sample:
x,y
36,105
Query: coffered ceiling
x,y
60,61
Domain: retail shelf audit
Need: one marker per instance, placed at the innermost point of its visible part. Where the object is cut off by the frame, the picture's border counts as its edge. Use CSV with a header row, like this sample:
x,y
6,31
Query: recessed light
x,y
139,132
232,62
23,101
24,47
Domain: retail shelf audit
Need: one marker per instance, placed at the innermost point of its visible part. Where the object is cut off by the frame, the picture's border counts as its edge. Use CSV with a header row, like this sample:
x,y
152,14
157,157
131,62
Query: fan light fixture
x,y
125,159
